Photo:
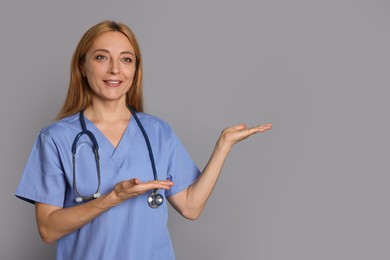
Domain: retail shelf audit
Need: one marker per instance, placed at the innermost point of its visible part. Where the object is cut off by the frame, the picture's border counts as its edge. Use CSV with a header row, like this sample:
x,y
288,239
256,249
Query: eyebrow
x,y
107,51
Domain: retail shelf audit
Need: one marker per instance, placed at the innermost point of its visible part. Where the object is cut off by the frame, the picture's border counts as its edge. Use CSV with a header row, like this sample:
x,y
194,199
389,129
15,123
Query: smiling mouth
x,y
113,83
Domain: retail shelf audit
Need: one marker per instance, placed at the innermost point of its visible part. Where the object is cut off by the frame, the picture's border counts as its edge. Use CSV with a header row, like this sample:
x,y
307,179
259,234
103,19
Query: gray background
x,y
315,187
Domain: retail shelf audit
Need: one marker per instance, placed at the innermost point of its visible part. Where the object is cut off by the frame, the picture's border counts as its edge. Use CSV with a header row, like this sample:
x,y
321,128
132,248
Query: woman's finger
x,y
157,185
261,128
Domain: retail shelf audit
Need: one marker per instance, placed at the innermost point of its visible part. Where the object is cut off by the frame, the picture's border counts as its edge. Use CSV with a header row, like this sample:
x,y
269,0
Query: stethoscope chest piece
x,y
155,199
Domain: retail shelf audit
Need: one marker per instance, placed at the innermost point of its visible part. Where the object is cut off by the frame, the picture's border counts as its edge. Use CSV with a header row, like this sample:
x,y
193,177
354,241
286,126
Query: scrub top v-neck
x,y
131,230
106,147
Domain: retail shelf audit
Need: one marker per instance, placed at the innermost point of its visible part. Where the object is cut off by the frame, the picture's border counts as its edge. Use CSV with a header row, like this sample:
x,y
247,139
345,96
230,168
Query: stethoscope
x,y
155,199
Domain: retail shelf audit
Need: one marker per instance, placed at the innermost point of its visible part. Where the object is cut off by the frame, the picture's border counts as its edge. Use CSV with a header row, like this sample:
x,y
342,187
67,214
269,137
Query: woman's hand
x,y
235,134
134,187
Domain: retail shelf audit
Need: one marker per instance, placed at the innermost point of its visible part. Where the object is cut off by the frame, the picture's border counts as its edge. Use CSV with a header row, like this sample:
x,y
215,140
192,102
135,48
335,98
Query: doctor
x,y
106,77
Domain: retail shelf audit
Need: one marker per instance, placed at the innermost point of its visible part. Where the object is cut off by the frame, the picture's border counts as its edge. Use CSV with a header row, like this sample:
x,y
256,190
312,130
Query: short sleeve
x,y
182,170
43,179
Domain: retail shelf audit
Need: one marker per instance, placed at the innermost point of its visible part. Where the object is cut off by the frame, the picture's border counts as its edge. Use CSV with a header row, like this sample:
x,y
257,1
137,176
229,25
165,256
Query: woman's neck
x,y
107,112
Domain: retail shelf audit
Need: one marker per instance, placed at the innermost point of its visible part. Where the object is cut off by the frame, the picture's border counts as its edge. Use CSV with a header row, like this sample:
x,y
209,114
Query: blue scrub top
x,y
131,230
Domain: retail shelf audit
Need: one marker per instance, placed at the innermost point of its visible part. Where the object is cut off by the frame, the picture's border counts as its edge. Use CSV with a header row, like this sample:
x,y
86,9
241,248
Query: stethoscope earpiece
x,y
155,199
94,196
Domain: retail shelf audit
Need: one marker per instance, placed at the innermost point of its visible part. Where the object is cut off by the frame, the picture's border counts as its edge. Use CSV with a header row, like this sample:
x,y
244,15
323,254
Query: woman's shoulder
x,y
62,126
152,121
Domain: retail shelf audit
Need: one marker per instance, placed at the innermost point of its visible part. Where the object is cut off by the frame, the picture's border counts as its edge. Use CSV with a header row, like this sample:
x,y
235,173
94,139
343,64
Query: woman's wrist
x,y
110,199
223,144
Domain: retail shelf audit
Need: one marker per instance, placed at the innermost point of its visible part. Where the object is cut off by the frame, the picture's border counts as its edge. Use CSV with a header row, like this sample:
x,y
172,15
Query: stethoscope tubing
x,y
154,200
146,140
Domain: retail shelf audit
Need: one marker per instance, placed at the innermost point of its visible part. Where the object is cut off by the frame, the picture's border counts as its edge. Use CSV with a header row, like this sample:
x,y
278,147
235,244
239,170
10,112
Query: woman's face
x,y
110,66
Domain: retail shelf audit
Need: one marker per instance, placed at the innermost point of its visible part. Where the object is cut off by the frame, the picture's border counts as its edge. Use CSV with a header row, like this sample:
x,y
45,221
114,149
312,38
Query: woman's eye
x,y
101,57
127,60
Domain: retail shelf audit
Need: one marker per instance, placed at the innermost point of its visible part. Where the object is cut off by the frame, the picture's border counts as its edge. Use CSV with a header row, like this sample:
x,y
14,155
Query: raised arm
x,y
191,201
55,222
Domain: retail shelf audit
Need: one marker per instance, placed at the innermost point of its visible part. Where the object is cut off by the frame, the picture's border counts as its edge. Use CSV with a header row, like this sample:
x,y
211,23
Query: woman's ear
x,y
82,69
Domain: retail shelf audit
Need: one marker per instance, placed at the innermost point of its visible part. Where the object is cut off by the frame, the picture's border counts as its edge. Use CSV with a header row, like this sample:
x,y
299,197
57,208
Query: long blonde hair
x,y
79,91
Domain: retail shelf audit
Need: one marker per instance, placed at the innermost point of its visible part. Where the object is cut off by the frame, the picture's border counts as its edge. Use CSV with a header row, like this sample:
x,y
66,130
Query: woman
x,y
96,206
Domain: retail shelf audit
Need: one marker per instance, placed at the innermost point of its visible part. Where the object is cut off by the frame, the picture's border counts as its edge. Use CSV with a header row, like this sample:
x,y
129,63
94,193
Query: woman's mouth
x,y
113,83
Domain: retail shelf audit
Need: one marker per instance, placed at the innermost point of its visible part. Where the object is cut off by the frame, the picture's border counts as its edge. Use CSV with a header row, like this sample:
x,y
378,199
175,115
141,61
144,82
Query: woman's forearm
x,y
201,189
55,222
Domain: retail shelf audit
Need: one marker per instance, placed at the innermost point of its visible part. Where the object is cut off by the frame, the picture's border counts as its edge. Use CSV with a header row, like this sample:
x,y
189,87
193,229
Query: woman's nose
x,y
114,67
